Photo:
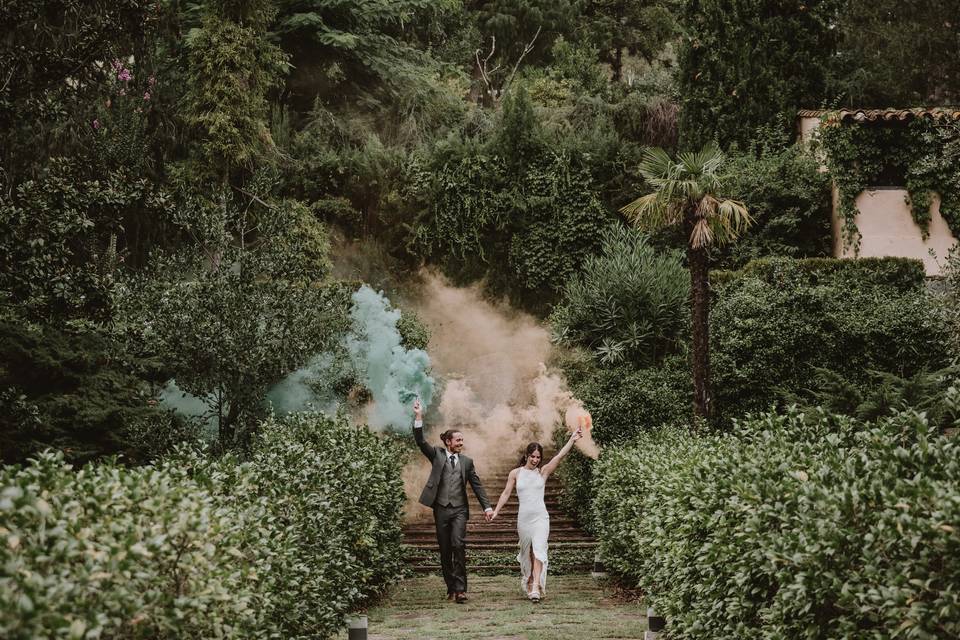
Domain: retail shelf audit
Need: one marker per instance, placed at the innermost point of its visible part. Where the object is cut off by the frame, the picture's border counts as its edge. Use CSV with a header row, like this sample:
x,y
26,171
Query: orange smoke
x,y
576,416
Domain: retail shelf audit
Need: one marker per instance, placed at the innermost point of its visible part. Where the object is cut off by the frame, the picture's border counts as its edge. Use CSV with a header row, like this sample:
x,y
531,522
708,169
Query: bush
x,y
770,331
789,199
629,303
521,210
280,546
624,402
71,387
790,528
901,274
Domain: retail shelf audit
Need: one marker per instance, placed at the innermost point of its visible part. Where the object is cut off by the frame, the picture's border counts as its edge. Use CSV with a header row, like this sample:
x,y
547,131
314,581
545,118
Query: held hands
x,y
489,515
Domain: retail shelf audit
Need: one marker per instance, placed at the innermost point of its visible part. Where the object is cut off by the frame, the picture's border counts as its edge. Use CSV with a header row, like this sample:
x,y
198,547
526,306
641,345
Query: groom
x,y
446,493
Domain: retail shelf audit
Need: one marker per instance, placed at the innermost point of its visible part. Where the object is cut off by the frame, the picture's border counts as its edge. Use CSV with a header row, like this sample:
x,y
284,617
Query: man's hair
x,y
447,435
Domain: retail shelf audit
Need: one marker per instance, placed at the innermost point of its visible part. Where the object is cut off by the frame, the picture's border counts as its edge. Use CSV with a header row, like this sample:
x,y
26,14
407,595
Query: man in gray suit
x,y
446,493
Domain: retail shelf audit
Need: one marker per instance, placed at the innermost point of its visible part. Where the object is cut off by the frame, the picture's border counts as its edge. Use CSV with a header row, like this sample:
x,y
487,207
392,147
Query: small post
x,y
357,628
655,625
599,571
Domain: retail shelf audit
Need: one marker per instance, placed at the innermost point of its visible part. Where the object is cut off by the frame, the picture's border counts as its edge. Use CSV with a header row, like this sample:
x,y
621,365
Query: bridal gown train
x,y
533,525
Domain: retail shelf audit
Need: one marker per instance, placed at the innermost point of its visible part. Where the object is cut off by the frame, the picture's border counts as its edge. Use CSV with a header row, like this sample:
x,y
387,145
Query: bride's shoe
x,y
534,596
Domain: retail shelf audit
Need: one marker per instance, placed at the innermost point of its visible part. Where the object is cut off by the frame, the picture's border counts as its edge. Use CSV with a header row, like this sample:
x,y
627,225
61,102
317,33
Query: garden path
x,y
577,607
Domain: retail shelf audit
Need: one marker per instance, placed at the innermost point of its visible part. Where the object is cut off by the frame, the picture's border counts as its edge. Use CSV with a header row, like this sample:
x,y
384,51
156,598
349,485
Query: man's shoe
x,y
461,597
450,596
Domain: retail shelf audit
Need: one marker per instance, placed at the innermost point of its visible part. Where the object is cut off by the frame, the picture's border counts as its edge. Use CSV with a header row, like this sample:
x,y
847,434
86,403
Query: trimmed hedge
x,y
793,526
772,328
902,274
280,546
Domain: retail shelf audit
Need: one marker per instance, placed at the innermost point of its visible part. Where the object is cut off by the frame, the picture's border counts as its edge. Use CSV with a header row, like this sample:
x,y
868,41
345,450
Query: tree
x,y
898,53
356,49
687,193
231,67
639,26
751,63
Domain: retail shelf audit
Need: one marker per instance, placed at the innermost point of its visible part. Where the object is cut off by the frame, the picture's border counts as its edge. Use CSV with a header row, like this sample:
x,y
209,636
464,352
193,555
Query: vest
x,y
450,491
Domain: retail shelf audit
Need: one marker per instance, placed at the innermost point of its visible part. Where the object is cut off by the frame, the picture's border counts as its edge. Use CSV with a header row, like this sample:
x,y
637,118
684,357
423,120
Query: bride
x,y
533,521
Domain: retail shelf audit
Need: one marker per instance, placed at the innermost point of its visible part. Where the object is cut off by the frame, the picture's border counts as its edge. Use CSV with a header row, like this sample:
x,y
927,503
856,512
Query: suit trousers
x,y
451,536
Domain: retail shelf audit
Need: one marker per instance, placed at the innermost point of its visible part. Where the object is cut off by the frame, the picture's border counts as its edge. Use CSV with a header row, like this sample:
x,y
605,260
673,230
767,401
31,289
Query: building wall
x,y
887,229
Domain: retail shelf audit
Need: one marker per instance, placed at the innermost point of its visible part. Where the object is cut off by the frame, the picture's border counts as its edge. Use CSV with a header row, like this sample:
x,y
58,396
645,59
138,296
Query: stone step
x,y
505,546
491,530
474,542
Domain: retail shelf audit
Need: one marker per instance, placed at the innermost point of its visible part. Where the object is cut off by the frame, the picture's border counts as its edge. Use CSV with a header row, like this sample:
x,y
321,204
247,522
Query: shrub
x,y
71,387
628,303
625,402
770,331
280,546
901,274
792,527
789,199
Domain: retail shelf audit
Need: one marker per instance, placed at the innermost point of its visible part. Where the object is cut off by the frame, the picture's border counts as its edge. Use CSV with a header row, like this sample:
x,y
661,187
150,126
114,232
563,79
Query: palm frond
x,y
702,234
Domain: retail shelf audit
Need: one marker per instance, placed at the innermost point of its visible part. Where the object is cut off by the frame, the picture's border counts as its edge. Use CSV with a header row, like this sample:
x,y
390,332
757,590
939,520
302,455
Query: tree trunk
x,y
617,64
700,307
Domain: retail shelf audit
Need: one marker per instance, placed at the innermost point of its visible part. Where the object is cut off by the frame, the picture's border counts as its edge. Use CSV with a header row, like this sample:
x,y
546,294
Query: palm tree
x,y
686,192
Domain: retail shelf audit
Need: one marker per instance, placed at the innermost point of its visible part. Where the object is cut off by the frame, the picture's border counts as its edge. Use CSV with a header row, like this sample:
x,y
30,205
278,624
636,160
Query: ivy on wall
x,y
925,155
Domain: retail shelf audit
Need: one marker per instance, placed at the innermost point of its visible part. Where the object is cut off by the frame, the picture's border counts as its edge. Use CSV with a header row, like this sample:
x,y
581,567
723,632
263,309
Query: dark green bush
x,y
520,209
628,303
789,199
71,387
793,527
282,545
770,331
902,274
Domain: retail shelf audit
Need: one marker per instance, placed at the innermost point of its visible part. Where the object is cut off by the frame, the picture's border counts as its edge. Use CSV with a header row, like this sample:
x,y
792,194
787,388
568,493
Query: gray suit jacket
x,y
438,456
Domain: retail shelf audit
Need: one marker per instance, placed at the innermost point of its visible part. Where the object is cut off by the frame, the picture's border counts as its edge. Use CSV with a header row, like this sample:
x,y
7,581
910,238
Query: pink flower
x,y
124,75
96,124
151,81
146,95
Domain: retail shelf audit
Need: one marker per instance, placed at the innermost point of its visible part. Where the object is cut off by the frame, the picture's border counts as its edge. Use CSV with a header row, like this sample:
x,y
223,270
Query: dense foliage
x,y
514,209
772,326
282,545
788,197
75,387
792,526
628,303
750,64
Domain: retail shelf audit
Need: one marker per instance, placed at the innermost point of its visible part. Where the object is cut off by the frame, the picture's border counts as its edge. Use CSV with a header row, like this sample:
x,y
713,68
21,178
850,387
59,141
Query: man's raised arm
x,y
427,450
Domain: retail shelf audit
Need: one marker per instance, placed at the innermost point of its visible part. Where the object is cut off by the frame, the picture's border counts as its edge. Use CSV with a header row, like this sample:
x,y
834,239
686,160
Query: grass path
x,y
576,607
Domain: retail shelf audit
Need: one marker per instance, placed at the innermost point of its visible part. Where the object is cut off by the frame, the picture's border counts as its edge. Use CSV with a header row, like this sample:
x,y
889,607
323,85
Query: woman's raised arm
x,y
551,466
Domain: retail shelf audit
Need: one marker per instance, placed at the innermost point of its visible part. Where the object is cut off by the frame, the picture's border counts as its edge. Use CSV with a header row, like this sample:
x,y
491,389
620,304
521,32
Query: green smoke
x,y
372,353
394,375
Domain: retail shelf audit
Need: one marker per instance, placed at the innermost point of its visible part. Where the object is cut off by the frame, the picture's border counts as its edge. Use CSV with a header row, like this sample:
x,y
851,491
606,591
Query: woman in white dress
x,y
533,521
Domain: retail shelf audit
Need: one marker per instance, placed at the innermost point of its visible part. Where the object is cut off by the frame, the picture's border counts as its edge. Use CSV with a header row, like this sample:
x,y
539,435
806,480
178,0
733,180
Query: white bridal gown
x,y
533,525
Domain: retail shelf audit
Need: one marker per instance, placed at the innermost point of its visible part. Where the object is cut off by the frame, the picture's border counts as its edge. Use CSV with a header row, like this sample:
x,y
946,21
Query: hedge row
x,y
902,274
771,331
279,546
793,526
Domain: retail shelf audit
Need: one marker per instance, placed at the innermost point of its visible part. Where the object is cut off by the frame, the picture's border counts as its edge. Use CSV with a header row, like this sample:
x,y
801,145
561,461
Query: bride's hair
x,y
533,446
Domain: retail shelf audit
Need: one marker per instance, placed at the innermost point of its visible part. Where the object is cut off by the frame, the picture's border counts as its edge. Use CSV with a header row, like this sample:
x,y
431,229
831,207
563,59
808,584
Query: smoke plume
x,y
394,374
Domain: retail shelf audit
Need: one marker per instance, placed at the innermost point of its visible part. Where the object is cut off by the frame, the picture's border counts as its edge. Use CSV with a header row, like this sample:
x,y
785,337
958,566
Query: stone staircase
x,y
493,546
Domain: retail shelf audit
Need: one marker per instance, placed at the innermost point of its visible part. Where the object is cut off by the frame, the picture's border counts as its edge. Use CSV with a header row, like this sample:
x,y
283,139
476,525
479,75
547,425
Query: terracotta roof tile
x,y
885,115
